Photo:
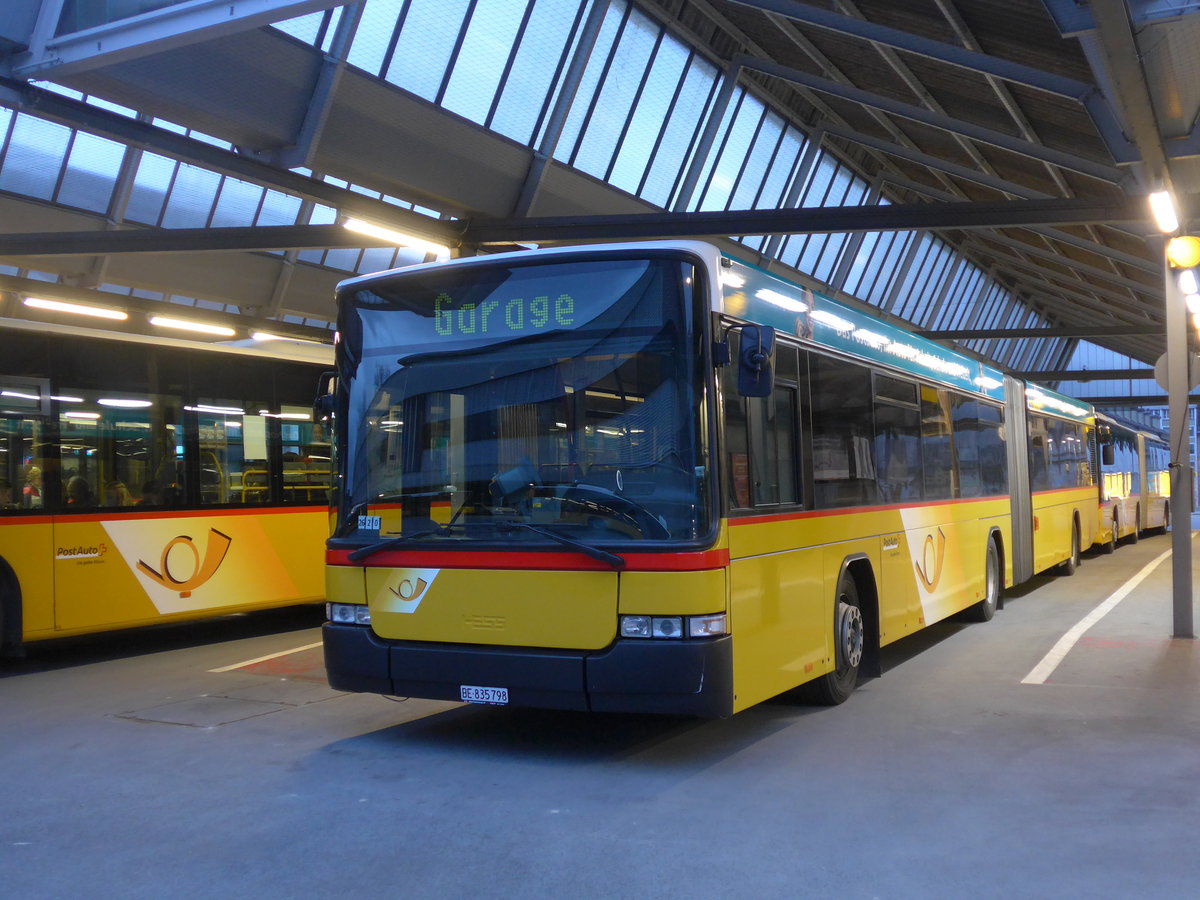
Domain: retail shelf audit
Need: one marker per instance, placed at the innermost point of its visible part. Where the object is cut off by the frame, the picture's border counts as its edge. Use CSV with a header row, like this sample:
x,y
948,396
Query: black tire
x,y
1137,521
1166,525
992,588
1111,544
1071,564
849,638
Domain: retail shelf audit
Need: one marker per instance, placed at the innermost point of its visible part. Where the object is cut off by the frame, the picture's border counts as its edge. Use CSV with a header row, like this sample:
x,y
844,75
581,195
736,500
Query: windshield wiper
x,y
390,543
617,562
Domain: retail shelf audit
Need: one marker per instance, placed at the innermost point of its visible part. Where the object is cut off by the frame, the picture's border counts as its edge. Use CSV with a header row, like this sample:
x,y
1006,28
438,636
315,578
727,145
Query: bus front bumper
x,y
687,677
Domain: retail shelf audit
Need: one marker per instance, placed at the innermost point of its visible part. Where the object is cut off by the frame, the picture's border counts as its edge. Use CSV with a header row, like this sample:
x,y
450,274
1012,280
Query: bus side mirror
x,y
1108,455
326,388
755,357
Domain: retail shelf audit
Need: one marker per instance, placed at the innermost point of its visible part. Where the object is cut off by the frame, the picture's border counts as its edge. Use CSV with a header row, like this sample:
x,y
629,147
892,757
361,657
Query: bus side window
x,y
736,441
842,433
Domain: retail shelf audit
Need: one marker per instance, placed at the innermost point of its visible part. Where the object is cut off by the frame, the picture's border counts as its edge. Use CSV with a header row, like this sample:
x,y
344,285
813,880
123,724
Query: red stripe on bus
x,y
503,559
855,510
126,513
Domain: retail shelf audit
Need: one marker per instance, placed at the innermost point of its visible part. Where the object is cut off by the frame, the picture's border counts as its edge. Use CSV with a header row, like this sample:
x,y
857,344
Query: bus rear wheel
x,y
1111,544
986,608
1068,566
849,638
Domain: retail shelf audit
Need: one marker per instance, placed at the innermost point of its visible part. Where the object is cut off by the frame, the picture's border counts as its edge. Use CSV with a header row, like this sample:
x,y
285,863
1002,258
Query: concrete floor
x,y
135,771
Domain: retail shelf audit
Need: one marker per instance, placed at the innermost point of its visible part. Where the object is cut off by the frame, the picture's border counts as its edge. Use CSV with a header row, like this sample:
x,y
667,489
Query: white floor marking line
x,y
1043,670
251,662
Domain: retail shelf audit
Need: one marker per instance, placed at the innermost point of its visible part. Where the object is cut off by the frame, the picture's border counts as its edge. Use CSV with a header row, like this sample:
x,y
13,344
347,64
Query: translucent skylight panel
x,y
237,204
191,199
771,194
733,149
617,94
589,82
304,28
278,209
34,157
687,118
374,34
91,172
425,45
484,54
650,116
524,93
150,186
758,162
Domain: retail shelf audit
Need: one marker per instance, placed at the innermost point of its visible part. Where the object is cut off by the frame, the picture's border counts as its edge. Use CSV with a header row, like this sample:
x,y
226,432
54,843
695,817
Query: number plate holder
x,y
488,696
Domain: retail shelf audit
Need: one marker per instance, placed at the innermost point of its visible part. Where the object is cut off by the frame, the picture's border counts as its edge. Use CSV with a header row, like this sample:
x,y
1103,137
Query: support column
x,y
1178,386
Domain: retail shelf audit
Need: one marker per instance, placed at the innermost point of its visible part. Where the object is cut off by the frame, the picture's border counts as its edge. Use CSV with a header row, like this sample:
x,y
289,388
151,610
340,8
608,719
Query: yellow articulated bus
x,y
147,481
652,478
1135,486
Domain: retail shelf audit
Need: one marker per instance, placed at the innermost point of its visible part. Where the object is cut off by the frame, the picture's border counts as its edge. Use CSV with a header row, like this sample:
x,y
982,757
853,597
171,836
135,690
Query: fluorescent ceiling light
x,y
122,403
267,336
98,312
1187,282
81,415
304,417
1162,207
186,325
395,238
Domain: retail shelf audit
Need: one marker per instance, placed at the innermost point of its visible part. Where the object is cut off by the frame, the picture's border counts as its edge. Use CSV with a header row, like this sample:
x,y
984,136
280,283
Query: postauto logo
x,y
202,568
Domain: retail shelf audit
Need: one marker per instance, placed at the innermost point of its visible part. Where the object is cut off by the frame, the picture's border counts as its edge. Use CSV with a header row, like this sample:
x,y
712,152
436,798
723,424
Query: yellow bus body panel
x,y
27,545
673,593
80,574
1054,515
568,610
927,563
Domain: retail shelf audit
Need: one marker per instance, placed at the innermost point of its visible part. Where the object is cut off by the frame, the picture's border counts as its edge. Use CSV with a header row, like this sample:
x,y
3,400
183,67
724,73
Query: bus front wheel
x,y
849,638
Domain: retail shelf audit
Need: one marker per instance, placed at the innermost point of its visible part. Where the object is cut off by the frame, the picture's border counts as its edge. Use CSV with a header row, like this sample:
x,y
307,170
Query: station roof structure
x,y
977,169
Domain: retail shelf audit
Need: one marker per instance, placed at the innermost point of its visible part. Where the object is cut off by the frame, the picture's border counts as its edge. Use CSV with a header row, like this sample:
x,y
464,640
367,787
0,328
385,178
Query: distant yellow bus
x,y
653,478
146,481
1135,486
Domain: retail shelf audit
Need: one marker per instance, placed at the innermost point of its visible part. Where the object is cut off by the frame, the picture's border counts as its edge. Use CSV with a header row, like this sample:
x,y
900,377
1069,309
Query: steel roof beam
x,y
1016,73
56,56
945,123
1087,375
1054,234
808,220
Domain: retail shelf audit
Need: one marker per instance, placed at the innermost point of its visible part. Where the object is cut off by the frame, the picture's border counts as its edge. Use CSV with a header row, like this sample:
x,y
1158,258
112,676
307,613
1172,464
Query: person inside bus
x,y
79,492
116,494
6,494
31,493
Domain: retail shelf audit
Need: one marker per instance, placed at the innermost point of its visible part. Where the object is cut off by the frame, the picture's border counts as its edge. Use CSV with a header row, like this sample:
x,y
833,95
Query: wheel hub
x,y
850,634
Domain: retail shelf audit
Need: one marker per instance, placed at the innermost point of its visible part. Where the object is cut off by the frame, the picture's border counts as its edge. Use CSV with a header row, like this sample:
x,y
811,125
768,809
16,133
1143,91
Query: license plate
x,y
494,696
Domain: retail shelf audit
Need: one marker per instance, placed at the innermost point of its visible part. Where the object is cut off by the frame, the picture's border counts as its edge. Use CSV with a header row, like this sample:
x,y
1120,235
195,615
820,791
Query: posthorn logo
x,y
202,569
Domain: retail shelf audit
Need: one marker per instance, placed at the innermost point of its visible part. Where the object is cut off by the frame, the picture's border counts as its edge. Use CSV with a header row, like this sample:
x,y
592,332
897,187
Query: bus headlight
x,y
674,627
348,613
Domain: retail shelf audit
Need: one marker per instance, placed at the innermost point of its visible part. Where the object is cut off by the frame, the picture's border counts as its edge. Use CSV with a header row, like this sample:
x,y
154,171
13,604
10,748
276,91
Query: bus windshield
x,y
515,402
